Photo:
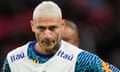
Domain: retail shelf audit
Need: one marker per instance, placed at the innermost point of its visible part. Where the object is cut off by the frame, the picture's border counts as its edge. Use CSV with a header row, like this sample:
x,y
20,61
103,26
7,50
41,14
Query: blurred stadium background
x,y
98,22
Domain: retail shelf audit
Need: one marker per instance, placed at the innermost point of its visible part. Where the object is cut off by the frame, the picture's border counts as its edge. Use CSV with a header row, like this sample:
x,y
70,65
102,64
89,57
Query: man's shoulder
x,y
18,53
88,61
18,49
88,57
69,46
82,54
87,54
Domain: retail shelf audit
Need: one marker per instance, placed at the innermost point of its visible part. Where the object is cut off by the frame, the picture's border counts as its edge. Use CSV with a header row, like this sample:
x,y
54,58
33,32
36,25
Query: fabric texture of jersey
x,y
84,62
63,61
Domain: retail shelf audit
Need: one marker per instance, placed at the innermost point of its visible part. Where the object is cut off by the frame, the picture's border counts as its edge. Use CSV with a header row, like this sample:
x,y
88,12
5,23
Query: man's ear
x,y
32,25
63,24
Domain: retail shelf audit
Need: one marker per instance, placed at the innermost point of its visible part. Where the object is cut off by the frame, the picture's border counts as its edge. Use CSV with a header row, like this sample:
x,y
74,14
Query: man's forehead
x,y
46,22
50,19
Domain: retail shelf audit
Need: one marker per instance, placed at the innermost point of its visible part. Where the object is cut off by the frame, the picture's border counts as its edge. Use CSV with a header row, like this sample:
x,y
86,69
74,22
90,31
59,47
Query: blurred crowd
x,y
97,22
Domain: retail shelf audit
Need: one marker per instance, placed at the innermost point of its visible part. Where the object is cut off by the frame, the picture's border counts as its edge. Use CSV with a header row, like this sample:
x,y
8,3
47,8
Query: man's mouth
x,y
48,42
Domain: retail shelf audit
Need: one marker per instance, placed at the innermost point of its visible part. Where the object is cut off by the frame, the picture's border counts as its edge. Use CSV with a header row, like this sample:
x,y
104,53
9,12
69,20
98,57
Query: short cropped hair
x,y
72,25
47,9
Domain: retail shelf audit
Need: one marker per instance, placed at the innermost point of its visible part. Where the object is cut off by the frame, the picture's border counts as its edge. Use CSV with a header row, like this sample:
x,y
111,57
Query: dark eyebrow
x,y
53,27
41,27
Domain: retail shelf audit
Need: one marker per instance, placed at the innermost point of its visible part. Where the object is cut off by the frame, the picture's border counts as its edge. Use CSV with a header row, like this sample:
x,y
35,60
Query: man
x,y
70,34
49,53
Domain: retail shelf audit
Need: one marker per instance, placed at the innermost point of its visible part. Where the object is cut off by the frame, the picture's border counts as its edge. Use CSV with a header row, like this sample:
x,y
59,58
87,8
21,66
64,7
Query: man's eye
x,y
53,28
41,28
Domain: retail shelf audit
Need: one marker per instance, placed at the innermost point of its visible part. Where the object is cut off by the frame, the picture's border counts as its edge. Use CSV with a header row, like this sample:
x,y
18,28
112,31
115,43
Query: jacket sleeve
x,y
6,67
88,62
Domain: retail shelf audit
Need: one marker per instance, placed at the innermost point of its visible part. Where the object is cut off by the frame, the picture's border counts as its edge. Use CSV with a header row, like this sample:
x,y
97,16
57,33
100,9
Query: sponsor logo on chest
x,y
64,55
17,56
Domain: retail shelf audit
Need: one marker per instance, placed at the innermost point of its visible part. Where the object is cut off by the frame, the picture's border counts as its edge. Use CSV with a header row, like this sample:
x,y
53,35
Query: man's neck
x,y
47,52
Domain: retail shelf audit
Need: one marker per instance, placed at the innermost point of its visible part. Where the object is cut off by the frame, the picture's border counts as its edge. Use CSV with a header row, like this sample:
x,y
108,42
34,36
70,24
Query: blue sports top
x,y
86,61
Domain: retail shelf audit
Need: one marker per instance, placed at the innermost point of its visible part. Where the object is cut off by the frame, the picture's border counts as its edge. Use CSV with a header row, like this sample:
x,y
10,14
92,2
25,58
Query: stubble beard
x,y
51,50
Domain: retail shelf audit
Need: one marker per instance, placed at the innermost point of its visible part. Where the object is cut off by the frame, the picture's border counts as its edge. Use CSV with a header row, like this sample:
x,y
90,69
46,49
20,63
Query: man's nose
x,y
47,34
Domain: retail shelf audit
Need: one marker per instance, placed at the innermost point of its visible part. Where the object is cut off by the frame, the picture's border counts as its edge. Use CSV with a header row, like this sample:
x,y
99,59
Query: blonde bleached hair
x,y
47,9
